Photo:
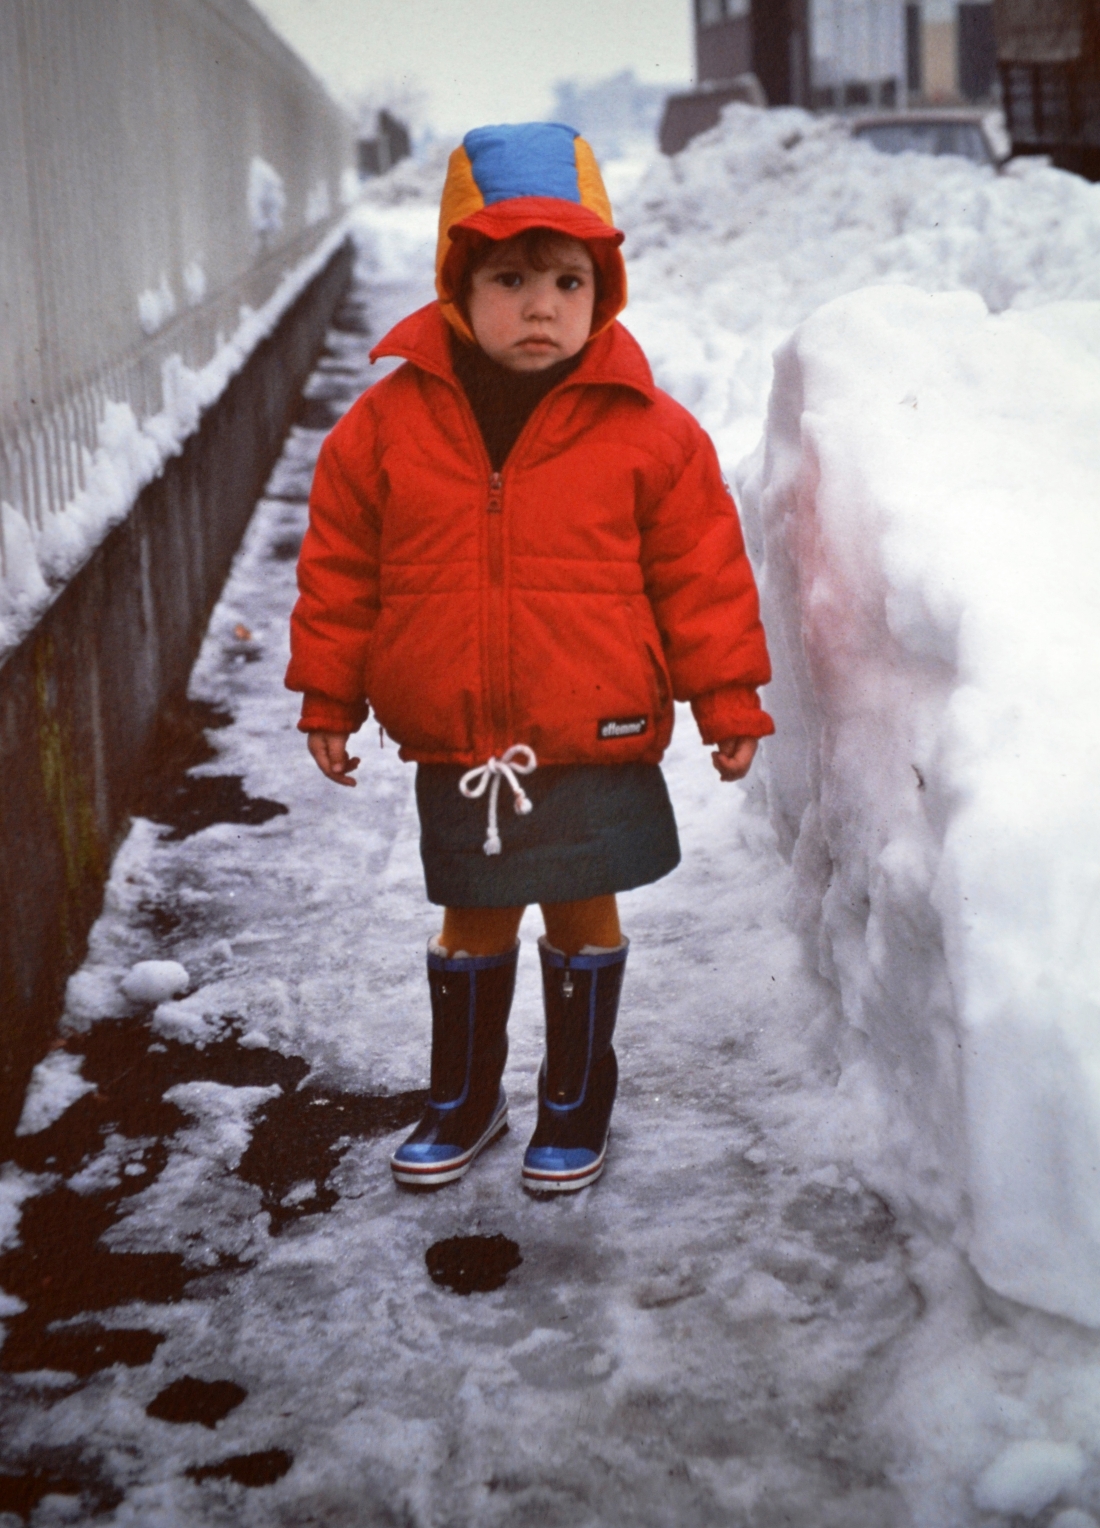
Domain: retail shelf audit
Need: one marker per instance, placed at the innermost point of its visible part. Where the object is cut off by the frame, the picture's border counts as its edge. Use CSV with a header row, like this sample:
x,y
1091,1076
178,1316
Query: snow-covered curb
x,y
130,454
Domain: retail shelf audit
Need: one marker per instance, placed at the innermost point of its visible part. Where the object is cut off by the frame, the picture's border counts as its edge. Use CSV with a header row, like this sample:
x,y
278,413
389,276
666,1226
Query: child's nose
x,y
540,298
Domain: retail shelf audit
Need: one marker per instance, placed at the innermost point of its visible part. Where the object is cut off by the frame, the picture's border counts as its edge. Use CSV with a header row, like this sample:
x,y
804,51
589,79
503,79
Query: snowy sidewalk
x,y
219,1309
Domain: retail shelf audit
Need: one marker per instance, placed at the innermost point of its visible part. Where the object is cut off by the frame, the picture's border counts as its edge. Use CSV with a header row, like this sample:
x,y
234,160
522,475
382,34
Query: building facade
x,y
837,54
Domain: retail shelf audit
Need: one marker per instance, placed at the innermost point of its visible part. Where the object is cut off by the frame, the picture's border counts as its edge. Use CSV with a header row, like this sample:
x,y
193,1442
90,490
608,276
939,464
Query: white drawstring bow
x,y
489,775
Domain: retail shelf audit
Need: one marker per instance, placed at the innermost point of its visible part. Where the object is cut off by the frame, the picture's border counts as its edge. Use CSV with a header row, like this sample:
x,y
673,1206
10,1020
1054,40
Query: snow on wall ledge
x,y
926,506
35,565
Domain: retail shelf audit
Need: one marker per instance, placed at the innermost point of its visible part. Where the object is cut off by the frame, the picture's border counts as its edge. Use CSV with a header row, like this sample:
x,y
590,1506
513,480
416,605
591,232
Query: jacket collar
x,y
613,357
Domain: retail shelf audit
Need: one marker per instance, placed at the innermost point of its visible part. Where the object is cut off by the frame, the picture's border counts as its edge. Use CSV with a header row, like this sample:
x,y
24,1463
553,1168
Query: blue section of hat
x,y
524,159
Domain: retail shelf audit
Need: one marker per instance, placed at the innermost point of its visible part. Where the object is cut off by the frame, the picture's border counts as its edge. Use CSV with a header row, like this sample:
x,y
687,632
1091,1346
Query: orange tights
x,y
569,926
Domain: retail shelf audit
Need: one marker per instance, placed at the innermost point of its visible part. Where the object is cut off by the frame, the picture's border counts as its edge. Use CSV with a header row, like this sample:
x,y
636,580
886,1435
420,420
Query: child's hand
x,y
733,757
330,754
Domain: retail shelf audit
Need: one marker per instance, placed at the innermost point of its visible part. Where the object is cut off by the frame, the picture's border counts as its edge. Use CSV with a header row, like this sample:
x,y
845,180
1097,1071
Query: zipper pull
x,y
567,984
496,486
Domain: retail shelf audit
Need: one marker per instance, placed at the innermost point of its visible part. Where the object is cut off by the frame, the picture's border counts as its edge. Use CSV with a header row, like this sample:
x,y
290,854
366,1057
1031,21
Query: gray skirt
x,y
595,829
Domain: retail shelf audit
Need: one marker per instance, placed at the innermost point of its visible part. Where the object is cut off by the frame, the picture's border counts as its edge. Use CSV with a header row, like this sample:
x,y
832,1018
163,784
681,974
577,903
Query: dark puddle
x,y
58,1476
262,1469
290,480
81,1350
472,1264
64,1274
299,1138
61,1269
199,801
205,1401
352,316
856,1227
318,413
328,395
286,548
187,803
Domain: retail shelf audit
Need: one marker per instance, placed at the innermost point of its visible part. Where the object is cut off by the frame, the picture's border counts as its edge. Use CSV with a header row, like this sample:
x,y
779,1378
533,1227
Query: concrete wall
x,y
79,697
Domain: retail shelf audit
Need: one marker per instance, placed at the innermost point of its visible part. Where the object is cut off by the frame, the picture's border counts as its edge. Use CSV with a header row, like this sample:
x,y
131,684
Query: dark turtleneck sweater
x,y
503,400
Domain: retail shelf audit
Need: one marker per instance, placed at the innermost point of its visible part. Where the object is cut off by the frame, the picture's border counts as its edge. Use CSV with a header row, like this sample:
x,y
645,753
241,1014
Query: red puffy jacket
x,y
561,603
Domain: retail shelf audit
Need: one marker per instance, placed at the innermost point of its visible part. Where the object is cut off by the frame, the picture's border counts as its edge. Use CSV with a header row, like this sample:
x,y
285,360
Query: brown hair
x,y
537,247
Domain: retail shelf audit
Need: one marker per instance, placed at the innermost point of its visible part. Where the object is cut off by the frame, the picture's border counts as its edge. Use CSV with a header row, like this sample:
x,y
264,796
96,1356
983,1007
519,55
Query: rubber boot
x,y
579,1075
467,1109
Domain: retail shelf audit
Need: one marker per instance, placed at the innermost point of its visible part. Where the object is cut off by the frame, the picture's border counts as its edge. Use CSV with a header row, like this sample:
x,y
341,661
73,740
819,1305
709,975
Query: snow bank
x,y
738,239
36,564
926,508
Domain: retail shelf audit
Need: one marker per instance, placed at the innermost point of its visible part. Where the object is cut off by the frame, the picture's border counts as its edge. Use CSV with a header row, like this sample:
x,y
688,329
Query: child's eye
x,y
570,283
509,279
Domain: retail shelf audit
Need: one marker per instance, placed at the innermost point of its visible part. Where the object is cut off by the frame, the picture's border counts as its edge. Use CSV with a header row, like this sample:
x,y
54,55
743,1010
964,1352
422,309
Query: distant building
x,y
388,143
1049,65
766,38
833,55
951,51
857,54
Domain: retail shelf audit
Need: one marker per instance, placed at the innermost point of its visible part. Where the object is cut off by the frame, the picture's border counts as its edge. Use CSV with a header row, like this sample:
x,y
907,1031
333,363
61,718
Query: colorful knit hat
x,y
502,181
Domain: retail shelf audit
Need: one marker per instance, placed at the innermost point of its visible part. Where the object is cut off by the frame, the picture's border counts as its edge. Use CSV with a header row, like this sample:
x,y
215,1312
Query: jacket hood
x,y
502,181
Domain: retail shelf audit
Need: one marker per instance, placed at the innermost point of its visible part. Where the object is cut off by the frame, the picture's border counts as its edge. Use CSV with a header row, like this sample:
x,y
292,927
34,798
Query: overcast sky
x,y
479,61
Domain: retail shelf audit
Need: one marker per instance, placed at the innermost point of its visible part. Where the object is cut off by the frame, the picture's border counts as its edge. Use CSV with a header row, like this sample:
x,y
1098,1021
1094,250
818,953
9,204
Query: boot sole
x,y
564,1183
434,1173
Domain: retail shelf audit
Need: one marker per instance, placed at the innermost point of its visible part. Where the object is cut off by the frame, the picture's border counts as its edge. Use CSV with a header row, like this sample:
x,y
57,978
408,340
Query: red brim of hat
x,y
503,220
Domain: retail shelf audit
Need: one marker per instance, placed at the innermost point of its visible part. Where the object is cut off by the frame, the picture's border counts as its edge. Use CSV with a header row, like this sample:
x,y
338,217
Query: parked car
x,y
933,131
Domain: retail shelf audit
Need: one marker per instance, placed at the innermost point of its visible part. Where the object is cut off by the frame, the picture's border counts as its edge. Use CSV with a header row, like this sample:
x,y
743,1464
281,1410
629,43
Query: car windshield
x,y
963,138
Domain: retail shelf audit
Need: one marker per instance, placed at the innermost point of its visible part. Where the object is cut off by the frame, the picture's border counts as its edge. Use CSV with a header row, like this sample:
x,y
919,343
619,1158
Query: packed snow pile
x,y
736,240
154,981
926,507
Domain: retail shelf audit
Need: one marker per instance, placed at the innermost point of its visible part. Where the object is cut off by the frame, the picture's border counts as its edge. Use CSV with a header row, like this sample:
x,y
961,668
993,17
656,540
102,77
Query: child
x,y
519,552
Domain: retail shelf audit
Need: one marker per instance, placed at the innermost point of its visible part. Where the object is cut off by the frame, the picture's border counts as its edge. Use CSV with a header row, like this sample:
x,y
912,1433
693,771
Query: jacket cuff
x,y
733,711
320,713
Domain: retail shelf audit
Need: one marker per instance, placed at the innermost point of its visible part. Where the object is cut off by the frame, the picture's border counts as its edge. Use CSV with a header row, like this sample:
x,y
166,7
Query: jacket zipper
x,y
498,626
498,656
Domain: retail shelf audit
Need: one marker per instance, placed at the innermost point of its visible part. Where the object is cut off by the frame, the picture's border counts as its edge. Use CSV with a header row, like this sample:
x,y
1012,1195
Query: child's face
x,y
527,319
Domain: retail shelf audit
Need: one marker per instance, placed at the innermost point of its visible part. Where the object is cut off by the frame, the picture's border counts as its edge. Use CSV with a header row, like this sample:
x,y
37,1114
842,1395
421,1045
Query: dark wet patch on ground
x,y
290,481
472,1264
62,1270
261,1469
198,802
352,316
64,1273
21,1493
205,1401
855,1226
286,548
133,1068
338,378
299,1138
317,413
82,1349
187,803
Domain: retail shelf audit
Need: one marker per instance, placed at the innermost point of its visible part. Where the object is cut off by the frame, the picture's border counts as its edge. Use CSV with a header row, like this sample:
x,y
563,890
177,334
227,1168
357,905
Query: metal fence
x,y
162,163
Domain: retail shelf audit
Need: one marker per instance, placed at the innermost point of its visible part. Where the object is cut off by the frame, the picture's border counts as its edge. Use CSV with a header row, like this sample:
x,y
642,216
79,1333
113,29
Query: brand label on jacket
x,y
622,726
